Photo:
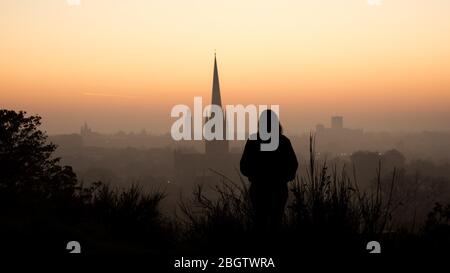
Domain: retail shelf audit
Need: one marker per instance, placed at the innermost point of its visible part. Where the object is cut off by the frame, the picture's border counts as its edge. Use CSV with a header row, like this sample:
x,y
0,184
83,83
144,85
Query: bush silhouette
x,y
42,204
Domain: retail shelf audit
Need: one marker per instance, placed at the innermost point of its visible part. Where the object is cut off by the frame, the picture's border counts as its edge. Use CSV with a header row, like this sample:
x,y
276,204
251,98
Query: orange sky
x,y
123,64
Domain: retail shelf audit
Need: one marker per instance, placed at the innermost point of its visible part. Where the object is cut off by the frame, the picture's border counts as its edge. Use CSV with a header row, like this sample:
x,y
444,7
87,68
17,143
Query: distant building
x,y
121,139
337,122
338,140
85,131
320,128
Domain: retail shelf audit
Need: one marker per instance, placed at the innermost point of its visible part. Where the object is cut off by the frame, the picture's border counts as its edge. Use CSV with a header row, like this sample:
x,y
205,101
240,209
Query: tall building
x,y
196,167
337,122
216,147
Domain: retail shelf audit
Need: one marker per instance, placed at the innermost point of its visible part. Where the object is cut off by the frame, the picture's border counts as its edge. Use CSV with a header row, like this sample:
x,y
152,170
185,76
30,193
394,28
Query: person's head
x,y
267,117
269,129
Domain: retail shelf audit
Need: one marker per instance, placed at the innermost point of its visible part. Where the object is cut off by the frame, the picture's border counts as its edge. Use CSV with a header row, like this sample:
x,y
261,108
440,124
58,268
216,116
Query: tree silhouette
x,y
27,166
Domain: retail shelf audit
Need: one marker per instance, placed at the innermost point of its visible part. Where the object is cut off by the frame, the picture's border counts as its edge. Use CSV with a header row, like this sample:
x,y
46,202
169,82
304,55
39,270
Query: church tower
x,y
217,147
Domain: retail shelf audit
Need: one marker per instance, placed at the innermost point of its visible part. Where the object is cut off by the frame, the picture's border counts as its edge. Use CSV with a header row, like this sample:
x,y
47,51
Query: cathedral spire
x,y
216,147
216,86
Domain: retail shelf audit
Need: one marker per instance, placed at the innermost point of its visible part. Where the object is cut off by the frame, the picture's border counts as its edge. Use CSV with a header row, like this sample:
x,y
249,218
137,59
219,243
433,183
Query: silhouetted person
x,y
269,172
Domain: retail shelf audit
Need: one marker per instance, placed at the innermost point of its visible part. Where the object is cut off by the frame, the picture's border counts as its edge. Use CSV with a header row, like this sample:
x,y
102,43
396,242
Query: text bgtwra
x,y
225,263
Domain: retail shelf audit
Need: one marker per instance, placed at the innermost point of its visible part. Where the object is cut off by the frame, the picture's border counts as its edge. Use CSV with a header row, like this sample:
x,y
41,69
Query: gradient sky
x,y
123,64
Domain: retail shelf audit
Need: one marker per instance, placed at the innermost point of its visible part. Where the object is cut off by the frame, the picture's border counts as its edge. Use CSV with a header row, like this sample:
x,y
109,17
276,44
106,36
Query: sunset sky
x,y
123,64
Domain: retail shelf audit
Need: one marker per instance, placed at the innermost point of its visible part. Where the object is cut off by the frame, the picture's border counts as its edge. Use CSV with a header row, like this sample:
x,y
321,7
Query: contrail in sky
x,y
108,95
